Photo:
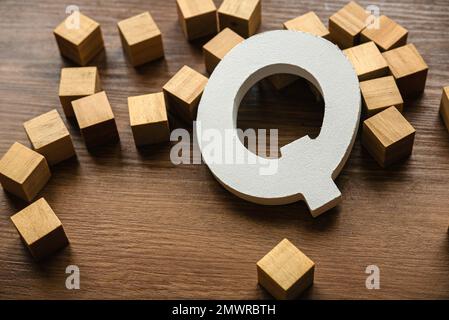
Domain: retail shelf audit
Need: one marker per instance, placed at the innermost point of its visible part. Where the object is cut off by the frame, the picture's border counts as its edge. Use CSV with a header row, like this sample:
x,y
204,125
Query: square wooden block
x,y
23,172
242,16
282,80
444,107
79,42
148,119
218,47
309,23
285,272
49,136
367,61
198,18
408,68
183,93
388,137
77,83
346,25
380,94
96,120
388,36
141,39
40,229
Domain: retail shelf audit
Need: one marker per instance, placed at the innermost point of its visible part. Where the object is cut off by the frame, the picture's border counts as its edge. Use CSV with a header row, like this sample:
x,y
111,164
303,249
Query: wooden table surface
x,y
141,227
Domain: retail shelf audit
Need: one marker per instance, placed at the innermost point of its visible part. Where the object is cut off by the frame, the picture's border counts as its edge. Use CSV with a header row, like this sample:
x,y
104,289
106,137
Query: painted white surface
x,y
306,167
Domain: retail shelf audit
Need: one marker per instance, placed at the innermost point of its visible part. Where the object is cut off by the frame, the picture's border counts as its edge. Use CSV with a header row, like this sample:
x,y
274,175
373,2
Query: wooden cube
x,y
444,107
309,23
96,120
79,43
285,272
242,16
388,137
23,172
346,25
183,93
281,80
141,39
218,47
367,61
198,18
148,119
40,229
380,94
408,68
388,36
49,136
77,83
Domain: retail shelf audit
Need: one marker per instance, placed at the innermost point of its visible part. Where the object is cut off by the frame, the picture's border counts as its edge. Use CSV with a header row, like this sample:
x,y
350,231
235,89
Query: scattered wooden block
x,y
242,16
141,39
408,68
388,137
183,92
282,80
380,94
95,119
309,23
40,229
388,36
77,83
198,18
148,119
49,136
346,25
367,60
444,107
285,272
79,43
23,172
218,47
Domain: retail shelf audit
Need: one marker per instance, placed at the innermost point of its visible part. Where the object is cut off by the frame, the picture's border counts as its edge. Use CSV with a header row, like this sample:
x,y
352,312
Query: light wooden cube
x,y
242,16
346,25
309,23
281,80
388,137
141,39
148,119
367,61
444,107
380,94
23,172
198,18
285,272
96,120
40,229
388,36
183,93
79,43
218,47
408,68
77,83
49,136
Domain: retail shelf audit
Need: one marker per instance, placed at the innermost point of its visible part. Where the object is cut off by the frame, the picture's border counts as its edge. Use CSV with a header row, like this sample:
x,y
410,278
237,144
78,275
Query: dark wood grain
x,y
141,227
